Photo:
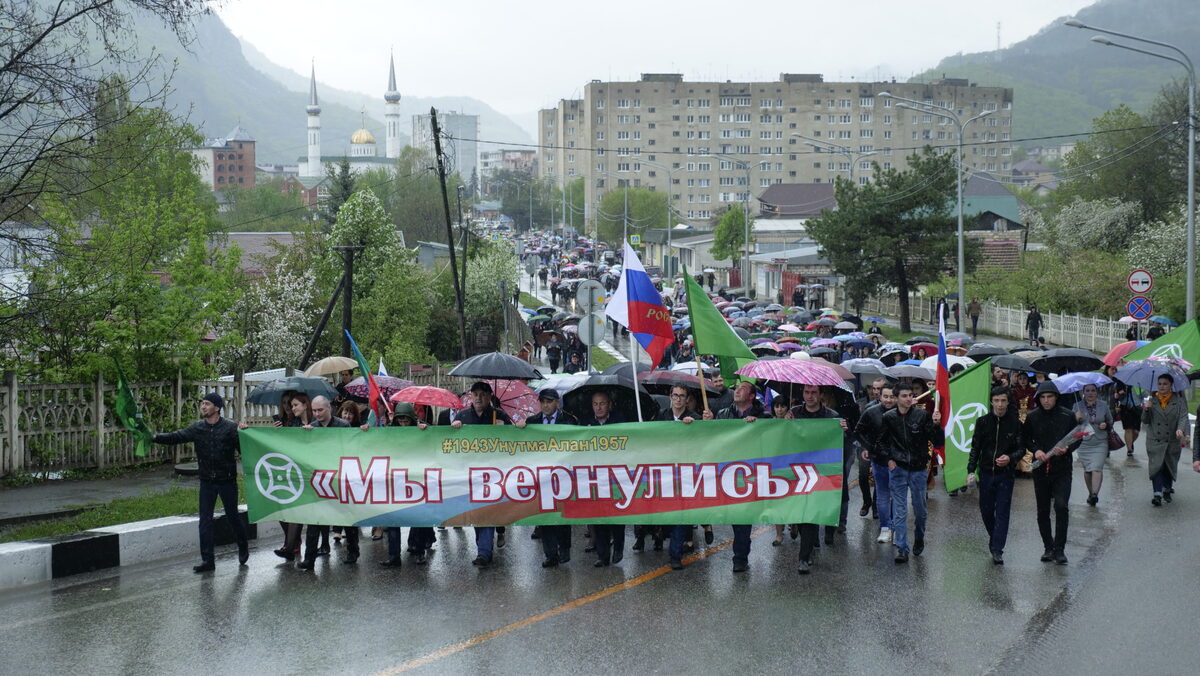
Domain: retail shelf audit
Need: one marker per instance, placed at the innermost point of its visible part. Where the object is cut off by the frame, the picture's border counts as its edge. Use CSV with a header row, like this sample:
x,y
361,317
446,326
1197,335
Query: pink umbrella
x,y
516,398
789,327
769,346
388,385
793,371
825,342
428,395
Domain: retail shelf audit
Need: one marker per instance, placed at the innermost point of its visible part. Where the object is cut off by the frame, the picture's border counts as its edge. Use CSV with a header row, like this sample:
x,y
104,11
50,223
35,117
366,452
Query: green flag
x,y
970,399
1183,342
714,335
127,413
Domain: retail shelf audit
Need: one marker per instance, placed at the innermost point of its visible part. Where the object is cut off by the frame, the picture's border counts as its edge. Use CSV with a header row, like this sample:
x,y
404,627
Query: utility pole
x,y
347,292
466,240
458,293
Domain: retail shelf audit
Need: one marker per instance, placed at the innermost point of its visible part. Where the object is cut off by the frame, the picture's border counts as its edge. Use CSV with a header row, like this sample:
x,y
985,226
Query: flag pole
x,y
637,397
700,372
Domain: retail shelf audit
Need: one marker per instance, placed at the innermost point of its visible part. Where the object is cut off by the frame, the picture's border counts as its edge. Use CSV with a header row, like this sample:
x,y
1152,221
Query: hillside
x,y
1061,79
492,123
215,88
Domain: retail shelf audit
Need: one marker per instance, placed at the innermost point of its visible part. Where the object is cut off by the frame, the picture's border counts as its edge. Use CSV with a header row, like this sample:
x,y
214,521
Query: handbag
x,y
1115,443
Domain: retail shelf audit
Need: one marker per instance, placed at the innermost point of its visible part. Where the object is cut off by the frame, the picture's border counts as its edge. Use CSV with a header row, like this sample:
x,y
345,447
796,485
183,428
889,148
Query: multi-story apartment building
x,y
724,142
461,147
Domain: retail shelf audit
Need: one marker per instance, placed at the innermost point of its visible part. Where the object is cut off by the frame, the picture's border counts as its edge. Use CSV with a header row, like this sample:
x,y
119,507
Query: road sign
x,y
635,239
591,296
1140,282
591,329
1139,307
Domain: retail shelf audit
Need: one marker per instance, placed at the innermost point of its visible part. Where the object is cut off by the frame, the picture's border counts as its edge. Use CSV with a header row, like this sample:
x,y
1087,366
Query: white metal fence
x,y
1097,335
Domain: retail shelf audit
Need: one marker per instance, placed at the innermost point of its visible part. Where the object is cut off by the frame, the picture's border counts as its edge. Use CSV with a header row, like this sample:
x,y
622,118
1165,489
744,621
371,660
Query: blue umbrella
x,y
877,320
909,362
1074,382
1165,321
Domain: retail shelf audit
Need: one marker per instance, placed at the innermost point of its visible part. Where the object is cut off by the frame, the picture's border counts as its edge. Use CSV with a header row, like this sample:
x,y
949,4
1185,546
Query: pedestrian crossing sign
x,y
635,239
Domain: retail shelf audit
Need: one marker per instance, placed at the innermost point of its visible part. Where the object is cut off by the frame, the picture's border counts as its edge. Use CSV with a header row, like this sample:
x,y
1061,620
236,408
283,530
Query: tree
x,y
342,184
1104,225
495,263
519,191
273,320
392,322
897,232
268,207
576,199
361,222
412,196
1122,160
729,238
134,275
56,75
644,208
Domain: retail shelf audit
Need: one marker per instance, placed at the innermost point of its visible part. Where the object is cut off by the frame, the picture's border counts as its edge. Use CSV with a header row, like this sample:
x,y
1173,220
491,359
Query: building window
x,y
866,102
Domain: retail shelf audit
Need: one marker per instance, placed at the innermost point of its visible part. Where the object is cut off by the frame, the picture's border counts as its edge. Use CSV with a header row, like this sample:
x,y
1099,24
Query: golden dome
x,y
362,136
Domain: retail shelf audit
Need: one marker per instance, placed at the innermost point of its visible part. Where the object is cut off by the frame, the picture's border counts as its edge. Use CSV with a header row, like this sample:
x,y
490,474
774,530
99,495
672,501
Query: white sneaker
x,y
885,535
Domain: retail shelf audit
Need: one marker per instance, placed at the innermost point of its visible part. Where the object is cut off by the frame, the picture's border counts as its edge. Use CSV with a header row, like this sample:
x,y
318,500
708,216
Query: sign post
x,y
1140,282
591,298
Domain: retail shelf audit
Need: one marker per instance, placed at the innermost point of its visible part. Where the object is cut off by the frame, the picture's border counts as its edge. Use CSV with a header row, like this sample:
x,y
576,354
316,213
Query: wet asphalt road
x,y
1125,604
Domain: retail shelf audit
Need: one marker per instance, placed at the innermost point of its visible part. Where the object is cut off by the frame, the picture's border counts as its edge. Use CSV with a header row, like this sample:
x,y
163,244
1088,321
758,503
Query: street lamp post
x,y
668,267
1186,62
828,146
745,220
949,114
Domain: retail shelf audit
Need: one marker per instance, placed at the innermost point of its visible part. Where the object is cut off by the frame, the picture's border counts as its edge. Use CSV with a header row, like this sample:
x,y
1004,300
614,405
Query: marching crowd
x,y
890,433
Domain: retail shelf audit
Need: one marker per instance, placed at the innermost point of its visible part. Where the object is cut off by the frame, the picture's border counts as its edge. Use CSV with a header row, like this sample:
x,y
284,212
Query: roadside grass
x,y
181,498
602,360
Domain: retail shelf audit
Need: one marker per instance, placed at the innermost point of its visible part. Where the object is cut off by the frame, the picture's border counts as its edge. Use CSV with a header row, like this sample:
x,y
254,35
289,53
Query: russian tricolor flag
x,y
943,376
637,306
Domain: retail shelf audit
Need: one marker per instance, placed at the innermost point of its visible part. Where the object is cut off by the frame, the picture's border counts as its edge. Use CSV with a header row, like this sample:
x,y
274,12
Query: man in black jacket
x,y
481,412
812,407
995,450
323,416
1043,432
608,539
215,440
746,407
556,540
907,434
869,431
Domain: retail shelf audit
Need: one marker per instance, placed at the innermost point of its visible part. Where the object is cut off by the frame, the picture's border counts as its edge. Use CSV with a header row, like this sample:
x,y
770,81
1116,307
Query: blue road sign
x,y
1139,307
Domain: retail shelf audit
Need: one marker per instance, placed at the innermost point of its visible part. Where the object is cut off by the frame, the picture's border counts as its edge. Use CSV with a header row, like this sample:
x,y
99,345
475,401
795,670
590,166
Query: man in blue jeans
x,y
870,432
908,432
995,449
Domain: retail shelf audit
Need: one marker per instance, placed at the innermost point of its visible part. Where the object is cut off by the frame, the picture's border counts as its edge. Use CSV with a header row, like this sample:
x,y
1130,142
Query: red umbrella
x,y
1117,355
428,395
516,398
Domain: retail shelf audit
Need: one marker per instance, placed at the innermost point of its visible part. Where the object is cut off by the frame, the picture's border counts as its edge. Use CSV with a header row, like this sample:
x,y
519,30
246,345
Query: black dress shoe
x,y
918,547
420,560
285,553
500,541
997,558
481,561
600,564
1167,496
866,509
901,556
829,537
1060,557
350,560
1156,501
206,567
564,557
708,536
640,543
1093,499
536,534
305,565
740,567
1047,555
549,563
658,545
617,555
393,562
676,565
323,550
243,553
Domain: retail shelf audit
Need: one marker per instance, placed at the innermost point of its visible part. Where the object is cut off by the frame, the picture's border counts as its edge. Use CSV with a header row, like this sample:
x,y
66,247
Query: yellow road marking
x,y
570,605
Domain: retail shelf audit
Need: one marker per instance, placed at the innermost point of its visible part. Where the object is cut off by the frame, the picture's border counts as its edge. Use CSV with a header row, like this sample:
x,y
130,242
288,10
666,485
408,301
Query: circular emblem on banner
x,y
962,426
1170,350
278,478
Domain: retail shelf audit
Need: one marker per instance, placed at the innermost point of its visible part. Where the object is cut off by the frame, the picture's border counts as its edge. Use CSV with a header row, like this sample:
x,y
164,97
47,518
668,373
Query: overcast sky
x,y
522,55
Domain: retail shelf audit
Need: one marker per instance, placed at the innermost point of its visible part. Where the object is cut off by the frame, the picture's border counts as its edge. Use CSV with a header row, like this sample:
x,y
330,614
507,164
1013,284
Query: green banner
x,y
969,401
1183,342
719,472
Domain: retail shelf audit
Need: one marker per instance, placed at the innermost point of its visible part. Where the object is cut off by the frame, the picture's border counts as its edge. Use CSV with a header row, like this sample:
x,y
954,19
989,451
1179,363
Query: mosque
x,y
363,153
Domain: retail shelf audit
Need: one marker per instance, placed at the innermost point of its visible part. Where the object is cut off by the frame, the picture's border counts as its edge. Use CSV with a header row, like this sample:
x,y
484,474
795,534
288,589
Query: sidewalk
x,y
542,293
52,499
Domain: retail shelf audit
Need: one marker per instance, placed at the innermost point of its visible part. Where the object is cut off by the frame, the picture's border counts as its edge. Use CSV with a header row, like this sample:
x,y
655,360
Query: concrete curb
x,y
36,561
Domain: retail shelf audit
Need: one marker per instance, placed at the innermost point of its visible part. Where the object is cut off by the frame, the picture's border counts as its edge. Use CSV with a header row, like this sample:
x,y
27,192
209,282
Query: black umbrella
x,y
1011,362
920,339
1026,348
271,392
1067,360
623,369
741,333
979,350
821,351
547,310
495,365
620,388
